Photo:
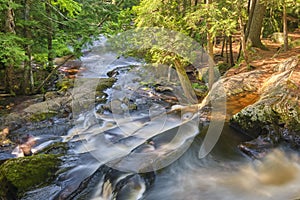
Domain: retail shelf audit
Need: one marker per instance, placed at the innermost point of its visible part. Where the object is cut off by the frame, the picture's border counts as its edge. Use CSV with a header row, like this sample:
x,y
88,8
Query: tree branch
x,y
51,74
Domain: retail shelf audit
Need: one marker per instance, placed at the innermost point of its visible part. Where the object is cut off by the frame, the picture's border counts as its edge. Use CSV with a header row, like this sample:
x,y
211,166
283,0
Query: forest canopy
x,y
34,33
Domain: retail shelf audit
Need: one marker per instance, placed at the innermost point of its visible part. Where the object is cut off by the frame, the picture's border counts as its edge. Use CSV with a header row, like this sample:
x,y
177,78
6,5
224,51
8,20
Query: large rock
x,y
276,115
21,174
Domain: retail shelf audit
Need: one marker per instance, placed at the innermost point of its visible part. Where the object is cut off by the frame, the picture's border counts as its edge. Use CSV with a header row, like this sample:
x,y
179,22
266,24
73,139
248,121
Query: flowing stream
x,y
143,147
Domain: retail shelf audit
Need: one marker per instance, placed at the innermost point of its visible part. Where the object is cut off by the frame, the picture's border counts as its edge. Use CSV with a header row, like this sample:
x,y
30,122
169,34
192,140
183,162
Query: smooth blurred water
x,y
153,152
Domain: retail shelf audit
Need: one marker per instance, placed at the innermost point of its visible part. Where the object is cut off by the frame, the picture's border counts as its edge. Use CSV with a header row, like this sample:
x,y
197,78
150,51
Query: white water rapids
x,y
164,143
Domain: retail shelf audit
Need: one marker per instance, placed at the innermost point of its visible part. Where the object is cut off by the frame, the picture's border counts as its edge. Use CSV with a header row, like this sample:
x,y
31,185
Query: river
x,y
152,151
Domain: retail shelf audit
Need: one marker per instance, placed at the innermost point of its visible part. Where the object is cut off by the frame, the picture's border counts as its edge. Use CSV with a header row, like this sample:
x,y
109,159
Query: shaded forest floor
x,y
259,58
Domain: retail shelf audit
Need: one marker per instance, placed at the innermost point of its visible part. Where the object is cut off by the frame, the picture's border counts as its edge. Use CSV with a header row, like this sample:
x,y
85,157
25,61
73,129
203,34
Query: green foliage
x,y
273,19
221,17
193,21
123,22
71,7
11,52
199,86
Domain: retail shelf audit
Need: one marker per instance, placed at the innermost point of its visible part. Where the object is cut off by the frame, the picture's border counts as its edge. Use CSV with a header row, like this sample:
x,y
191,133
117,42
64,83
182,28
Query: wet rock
x,y
21,174
47,109
4,141
51,95
277,112
38,111
103,84
58,148
119,106
257,148
65,84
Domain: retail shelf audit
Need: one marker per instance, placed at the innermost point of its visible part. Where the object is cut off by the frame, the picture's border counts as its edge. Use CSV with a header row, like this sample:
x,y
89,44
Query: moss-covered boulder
x,y
277,112
103,84
21,174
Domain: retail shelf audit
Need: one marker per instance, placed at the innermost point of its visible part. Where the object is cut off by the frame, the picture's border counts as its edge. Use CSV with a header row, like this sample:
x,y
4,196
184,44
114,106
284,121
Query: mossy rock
x,y
65,84
105,83
37,117
278,107
22,174
58,148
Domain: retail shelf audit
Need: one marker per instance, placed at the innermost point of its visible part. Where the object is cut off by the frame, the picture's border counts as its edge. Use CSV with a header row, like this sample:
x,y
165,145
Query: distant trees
x,y
35,32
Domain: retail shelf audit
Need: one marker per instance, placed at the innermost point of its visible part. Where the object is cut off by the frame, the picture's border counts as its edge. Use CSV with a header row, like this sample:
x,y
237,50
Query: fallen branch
x,y
6,95
51,74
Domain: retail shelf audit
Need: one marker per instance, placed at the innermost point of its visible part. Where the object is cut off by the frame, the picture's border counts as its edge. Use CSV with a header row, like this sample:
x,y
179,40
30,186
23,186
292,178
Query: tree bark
x,y
9,68
231,62
252,4
27,78
256,25
285,28
243,34
185,84
50,35
223,45
9,22
210,49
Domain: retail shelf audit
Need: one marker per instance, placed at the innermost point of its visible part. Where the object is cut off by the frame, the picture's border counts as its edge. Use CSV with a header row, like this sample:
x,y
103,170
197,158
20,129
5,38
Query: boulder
x,y
21,174
276,114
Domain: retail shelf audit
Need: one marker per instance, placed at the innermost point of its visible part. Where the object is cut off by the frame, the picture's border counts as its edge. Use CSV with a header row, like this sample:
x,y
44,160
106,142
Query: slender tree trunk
x,y
226,50
243,35
256,25
196,2
185,84
252,4
210,49
27,82
231,62
245,29
285,28
9,22
223,45
50,35
9,68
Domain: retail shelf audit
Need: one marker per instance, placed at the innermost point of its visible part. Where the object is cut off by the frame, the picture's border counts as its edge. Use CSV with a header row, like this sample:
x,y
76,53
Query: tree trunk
x,y
9,77
223,45
27,83
185,84
252,4
9,22
285,28
50,35
256,25
210,49
9,68
243,35
231,62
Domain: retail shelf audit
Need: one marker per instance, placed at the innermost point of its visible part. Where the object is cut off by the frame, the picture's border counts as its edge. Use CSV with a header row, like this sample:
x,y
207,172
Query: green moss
x,y
21,174
64,84
105,83
58,148
37,117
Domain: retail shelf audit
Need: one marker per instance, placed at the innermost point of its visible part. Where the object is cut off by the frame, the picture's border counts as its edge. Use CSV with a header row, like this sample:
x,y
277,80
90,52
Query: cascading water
x,y
151,151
